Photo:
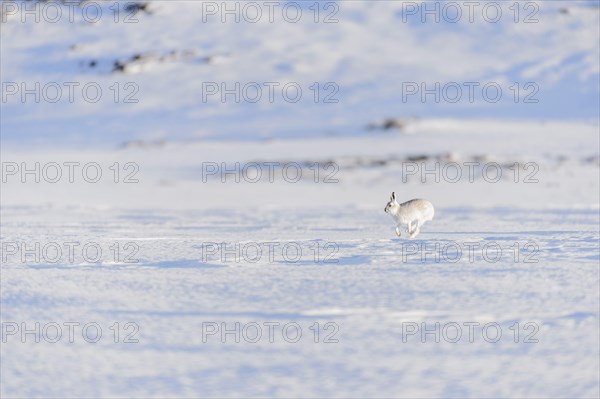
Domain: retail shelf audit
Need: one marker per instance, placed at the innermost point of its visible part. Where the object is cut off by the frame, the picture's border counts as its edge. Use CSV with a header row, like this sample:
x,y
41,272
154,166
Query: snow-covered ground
x,y
242,250
193,255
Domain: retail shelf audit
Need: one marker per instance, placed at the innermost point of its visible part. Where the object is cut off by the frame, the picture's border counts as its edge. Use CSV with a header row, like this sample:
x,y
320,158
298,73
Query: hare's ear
x,y
393,197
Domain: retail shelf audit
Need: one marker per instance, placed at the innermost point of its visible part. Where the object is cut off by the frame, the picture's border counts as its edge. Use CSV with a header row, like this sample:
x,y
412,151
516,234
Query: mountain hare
x,y
413,213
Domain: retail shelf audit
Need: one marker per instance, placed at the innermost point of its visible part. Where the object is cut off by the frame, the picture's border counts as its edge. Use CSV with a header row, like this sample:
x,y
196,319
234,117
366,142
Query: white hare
x,y
413,214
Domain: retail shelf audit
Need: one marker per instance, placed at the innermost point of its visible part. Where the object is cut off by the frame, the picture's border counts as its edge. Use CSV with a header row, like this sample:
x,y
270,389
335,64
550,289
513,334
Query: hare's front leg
x,y
398,233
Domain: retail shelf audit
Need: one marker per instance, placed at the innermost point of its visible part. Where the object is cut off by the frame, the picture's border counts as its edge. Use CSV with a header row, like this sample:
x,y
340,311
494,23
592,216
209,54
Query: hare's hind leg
x,y
412,225
414,228
415,232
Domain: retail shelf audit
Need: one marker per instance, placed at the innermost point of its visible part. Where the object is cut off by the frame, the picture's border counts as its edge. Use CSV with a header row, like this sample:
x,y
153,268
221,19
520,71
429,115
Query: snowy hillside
x,y
155,70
